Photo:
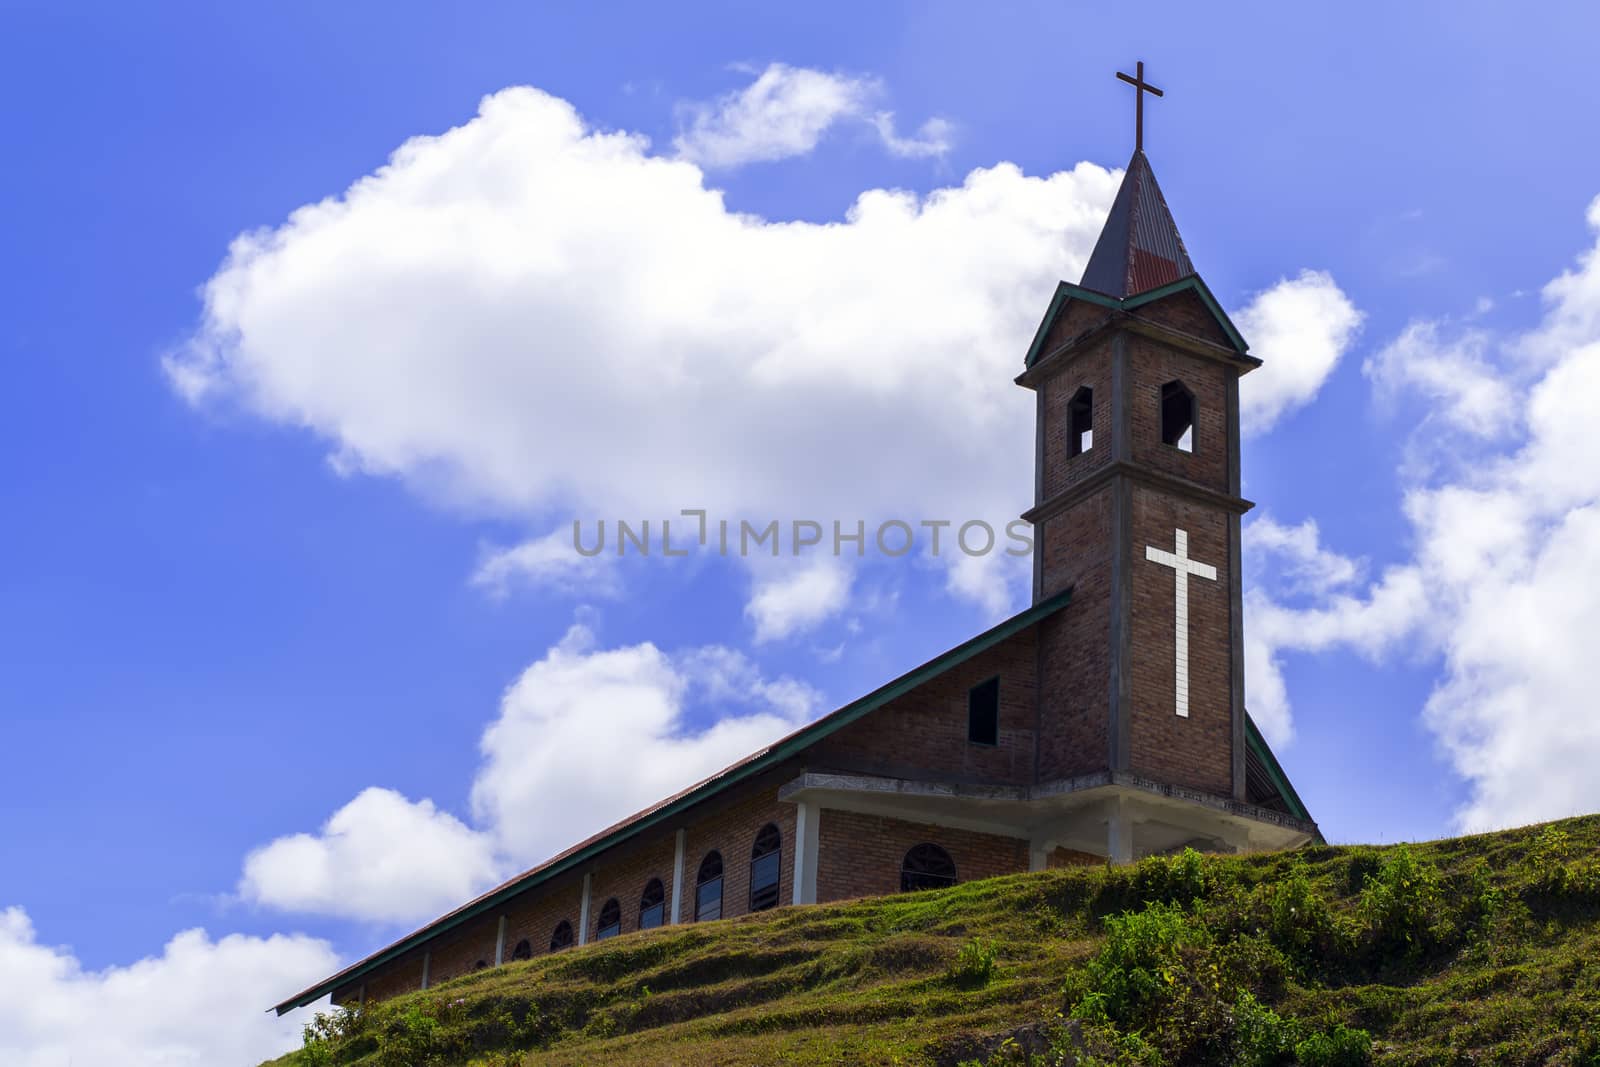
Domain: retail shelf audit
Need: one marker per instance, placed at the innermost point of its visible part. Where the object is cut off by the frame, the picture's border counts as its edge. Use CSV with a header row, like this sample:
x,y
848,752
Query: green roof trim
x,y
1066,291
761,761
1258,745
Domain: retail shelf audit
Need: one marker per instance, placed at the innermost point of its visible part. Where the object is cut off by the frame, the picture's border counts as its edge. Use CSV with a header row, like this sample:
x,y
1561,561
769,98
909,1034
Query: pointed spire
x,y
1139,249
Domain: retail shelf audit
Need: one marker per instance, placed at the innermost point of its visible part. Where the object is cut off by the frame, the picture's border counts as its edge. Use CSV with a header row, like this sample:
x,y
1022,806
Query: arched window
x,y
652,905
1177,416
481,965
765,859
927,867
1080,422
523,951
562,938
708,888
610,923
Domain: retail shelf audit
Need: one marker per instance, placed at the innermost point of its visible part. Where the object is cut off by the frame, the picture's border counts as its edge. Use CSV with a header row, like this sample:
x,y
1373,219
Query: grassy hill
x,y
1477,950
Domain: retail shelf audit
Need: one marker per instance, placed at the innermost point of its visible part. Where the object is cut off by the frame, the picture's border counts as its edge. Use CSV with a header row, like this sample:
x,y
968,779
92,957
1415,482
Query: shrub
x,y
1403,905
974,964
1129,979
1179,879
1300,920
1339,1046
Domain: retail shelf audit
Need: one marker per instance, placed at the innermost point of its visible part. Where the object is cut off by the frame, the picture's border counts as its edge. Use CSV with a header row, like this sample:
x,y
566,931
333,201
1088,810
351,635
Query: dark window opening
x,y
1177,417
927,867
1080,422
765,859
610,922
481,965
562,938
983,713
523,951
652,906
708,889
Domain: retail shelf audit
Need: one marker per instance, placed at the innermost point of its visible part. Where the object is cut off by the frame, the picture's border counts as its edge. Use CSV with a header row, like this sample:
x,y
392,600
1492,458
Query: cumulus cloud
x,y
197,1004
1506,530
551,563
932,138
1451,372
587,736
786,111
792,599
1300,327
380,857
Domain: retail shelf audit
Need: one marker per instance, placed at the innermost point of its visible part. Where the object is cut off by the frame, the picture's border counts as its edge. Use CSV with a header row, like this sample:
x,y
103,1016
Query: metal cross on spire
x,y
1140,87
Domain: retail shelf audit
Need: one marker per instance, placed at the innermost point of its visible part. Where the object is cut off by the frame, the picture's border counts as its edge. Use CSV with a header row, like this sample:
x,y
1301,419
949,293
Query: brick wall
x,y
1152,365
625,876
1074,662
731,830
861,855
1091,367
923,734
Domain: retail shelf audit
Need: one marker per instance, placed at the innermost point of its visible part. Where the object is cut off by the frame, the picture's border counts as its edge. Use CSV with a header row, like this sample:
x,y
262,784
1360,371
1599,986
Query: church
x,y
1104,723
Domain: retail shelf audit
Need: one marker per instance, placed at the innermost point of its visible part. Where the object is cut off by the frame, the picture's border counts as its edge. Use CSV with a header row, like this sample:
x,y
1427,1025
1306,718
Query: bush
x,y
1337,1047
1139,962
1403,905
1300,920
974,964
1179,879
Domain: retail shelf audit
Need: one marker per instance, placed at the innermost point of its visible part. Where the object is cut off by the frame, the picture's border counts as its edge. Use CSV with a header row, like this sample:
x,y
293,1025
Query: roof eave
x,y
1280,780
1067,292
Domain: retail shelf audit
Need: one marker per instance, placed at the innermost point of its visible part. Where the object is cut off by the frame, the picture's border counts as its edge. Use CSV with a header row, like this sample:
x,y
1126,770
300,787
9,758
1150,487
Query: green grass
x,y
1479,950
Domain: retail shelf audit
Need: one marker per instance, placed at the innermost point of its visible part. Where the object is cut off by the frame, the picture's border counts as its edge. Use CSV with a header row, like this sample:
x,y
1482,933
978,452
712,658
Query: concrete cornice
x,y
1144,475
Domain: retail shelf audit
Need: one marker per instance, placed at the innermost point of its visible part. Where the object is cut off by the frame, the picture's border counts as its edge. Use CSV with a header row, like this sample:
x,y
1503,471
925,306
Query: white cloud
x,y
789,599
932,138
1453,374
553,563
1300,328
380,857
480,315
197,1004
1506,528
786,111
593,735
1301,562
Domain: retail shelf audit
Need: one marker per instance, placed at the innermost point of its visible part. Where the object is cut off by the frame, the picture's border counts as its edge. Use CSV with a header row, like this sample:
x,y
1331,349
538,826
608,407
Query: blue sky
x,y
263,548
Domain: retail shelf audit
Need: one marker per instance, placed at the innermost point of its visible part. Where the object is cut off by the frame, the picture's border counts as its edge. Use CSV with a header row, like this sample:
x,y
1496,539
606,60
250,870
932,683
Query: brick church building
x,y
1105,722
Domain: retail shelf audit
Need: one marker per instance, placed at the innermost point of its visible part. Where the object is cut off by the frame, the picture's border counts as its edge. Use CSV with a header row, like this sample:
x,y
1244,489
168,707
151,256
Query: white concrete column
x,y
1039,855
583,913
807,832
1119,833
677,879
500,943
426,959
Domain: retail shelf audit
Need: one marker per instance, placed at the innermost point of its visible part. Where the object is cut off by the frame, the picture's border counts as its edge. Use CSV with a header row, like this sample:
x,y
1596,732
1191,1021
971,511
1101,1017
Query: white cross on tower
x,y
1183,566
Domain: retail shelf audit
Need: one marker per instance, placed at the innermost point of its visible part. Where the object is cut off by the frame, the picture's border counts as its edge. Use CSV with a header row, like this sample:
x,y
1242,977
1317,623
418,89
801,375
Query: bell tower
x,y
1137,508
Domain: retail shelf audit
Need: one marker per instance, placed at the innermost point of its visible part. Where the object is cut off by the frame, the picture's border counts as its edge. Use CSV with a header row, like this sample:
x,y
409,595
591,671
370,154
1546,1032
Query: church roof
x,y
1139,248
752,764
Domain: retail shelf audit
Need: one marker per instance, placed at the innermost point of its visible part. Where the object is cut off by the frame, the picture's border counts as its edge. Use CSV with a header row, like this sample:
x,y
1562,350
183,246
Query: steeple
x,y
1140,248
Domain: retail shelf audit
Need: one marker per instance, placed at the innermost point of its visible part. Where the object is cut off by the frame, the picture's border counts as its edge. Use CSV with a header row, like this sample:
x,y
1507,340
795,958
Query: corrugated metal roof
x,y
1140,248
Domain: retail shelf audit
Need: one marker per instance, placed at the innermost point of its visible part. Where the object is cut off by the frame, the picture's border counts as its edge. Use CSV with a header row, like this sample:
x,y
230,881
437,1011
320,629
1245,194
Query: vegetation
x,y
1481,950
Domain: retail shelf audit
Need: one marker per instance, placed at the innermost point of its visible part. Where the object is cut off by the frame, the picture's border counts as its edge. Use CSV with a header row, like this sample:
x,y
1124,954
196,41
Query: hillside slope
x,y
1482,949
